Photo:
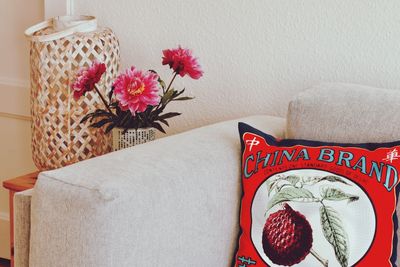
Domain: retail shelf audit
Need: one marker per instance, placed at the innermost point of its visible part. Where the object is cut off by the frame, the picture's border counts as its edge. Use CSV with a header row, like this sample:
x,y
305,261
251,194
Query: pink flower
x,y
182,62
135,90
87,78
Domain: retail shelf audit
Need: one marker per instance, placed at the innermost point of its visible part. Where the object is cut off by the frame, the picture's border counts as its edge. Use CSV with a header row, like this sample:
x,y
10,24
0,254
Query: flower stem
x,y
172,80
103,99
319,258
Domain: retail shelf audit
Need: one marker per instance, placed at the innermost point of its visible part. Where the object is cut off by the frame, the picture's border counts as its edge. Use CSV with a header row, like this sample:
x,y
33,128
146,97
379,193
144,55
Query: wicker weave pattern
x,y
58,137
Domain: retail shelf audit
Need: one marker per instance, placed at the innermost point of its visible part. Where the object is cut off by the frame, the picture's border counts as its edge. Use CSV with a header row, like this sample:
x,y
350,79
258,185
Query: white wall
x,y
15,153
258,54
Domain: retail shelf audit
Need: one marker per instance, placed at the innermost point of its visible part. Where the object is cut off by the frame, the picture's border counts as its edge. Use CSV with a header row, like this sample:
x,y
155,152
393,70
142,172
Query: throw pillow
x,y
309,203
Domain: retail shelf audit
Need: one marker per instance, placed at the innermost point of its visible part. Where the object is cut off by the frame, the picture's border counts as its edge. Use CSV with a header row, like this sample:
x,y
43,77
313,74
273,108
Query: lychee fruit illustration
x,y
287,237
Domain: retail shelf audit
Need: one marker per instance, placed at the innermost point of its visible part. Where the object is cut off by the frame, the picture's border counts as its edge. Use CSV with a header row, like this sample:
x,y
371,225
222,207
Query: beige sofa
x,y
175,201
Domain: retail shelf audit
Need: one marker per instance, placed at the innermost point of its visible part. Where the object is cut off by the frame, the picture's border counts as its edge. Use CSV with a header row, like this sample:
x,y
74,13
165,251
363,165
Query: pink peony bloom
x,y
135,90
87,78
182,62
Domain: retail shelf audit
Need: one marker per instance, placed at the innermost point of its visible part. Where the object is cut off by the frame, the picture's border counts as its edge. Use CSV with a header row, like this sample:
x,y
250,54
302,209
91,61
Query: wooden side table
x,y
14,185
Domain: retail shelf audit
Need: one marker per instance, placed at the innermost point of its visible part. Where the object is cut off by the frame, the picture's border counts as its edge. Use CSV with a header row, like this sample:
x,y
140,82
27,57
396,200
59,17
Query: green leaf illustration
x,y
292,194
332,179
335,233
277,183
293,179
329,178
271,185
336,194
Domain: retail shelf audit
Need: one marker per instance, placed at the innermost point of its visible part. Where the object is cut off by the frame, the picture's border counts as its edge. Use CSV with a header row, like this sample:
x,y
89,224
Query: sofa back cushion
x,y
337,112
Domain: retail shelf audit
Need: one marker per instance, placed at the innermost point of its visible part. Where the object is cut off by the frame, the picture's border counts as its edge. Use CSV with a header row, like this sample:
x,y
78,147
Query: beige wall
x,y
15,154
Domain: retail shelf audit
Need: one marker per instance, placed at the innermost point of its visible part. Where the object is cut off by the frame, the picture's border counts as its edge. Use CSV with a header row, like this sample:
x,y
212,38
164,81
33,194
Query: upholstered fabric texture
x,y
345,113
171,202
22,223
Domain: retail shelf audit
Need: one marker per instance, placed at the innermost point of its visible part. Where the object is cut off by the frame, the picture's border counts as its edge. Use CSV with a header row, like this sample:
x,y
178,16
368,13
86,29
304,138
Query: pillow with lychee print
x,y
308,203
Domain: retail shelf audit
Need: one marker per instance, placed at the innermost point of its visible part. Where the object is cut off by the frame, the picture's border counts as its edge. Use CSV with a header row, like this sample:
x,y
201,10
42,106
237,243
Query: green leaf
x,y
153,71
180,92
329,178
158,127
292,194
183,98
276,183
164,121
310,180
109,128
86,117
336,194
335,233
271,185
162,83
169,115
332,179
114,105
100,123
167,96
293,179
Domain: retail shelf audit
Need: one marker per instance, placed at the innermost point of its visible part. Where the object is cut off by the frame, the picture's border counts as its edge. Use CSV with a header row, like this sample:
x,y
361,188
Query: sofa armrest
x,y
22,224
170,202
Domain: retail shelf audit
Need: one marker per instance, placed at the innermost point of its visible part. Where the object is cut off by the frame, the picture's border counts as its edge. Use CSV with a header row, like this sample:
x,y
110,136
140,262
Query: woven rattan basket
x,y
58,48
